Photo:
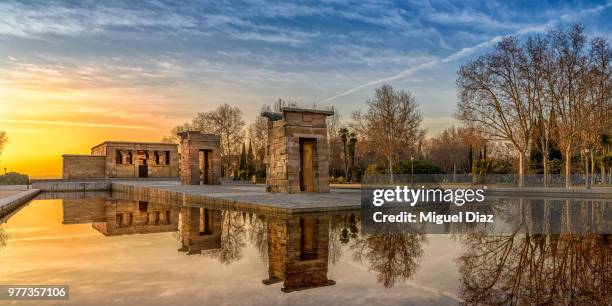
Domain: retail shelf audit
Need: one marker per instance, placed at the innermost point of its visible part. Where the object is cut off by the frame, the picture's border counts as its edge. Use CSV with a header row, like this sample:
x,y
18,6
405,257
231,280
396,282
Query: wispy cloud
x,y
23,20
78,124
467,51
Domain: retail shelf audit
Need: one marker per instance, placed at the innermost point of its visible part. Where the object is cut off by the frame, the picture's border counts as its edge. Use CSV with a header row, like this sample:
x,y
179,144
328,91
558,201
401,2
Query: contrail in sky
x,y
469,50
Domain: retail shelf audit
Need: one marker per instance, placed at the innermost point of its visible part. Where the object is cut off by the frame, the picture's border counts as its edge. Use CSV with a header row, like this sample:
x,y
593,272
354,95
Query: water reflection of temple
x,y
200,229
298,252
122,217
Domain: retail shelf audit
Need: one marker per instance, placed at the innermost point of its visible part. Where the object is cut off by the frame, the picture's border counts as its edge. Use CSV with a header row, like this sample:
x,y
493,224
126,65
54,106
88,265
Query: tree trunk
x,y
391,177
545,164
345,161
602,170
567,167
592,169
587,177
521,169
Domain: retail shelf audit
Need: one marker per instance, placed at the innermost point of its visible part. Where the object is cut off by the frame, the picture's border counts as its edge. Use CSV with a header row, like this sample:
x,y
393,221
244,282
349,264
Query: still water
x,y
128,252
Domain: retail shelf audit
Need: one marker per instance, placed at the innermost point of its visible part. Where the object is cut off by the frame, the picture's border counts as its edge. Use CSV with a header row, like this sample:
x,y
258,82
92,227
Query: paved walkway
x,y
9,190
256,196
11,201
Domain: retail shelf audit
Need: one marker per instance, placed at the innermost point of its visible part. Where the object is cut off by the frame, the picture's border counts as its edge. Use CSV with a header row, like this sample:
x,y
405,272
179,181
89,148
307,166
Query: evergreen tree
x,y
250,158
470,159
243,158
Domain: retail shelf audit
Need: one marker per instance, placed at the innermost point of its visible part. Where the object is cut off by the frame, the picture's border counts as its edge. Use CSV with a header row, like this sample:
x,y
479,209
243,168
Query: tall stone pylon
x,y
200,158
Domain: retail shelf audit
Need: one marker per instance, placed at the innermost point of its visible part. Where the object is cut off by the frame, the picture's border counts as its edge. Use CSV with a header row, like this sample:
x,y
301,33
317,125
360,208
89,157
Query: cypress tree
x,y
242,164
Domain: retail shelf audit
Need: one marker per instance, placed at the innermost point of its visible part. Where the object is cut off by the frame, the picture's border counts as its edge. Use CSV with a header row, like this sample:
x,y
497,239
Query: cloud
x,y
464,52
472,18
78,124
30,21
291,37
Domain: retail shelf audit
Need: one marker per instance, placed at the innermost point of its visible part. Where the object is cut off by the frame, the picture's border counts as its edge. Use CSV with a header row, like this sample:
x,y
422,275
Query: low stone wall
x,y
64,185
144,193
83,166
153,194
10,203
541,192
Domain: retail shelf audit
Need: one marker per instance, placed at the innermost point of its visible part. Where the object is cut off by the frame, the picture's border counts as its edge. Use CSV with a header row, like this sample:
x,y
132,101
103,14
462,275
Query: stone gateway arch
x,y
297,158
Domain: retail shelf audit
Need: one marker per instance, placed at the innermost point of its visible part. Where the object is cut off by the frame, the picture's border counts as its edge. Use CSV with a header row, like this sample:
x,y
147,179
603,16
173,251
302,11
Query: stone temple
x,y
200,158
297,156
122,159
297,151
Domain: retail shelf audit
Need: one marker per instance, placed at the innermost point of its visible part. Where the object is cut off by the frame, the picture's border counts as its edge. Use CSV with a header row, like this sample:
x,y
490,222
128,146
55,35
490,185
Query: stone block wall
x,y
277,160
285,132
82,166
192,143
112,159
139,152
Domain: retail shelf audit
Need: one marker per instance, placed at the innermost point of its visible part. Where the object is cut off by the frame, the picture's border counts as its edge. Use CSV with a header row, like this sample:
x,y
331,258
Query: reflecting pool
x,y
129,251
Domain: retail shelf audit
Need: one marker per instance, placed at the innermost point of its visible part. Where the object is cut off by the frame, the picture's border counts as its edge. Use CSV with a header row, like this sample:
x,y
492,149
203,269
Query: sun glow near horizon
x,y
36,149
43,123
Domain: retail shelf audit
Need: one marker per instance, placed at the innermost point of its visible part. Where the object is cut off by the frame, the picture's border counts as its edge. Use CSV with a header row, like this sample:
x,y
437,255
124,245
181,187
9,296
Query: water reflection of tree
x,y
343,229
536,269
3,238
393,257
258,235
233,234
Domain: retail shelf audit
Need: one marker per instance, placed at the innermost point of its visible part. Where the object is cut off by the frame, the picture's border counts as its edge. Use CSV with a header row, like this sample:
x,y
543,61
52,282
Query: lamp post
x,y
412,170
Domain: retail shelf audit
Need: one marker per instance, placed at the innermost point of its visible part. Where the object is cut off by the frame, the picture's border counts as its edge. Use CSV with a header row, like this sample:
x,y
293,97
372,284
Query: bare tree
x,y
258,135
173,137
390,124
450,148
533,70
227,122
3,141
598,108
334,143
579,87
566,60
494,96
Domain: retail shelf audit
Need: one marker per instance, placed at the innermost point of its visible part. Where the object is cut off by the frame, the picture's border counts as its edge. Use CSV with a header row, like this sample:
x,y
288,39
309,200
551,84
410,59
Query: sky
x,y
74,74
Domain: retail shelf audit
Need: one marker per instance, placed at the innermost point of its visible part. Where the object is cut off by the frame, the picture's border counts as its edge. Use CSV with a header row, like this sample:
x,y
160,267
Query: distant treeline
x,y
14,178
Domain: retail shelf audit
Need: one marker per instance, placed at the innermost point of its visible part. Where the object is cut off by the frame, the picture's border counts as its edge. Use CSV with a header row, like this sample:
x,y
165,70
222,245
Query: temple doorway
x,y
307,151
143,170
205,166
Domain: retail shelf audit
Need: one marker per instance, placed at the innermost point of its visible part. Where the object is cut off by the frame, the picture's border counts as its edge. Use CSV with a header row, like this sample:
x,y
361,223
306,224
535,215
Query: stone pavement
x,y
246,196
9,190
11,202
